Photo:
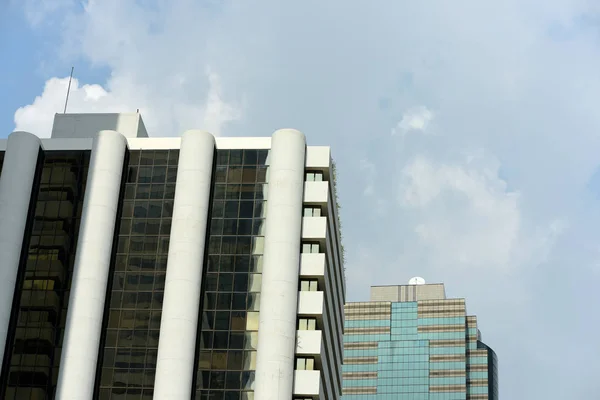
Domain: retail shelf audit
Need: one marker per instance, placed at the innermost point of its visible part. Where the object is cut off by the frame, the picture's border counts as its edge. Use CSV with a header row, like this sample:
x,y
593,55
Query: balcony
x,y
307,383
312,265
314,228
309,343
316,193
310,303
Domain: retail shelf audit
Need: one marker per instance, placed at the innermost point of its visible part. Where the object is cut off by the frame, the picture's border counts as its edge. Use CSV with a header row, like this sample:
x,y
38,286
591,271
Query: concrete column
x,y
16,182
92,262
279,292
181,304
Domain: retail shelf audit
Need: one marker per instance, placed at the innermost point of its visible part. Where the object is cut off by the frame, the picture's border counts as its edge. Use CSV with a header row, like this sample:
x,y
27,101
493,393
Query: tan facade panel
x,y
446,373
477,353
447,302
477,382
360,375
360,390
477,367
440,314
447,358
360,345
441,328
447,389
367,331
447,343
360,360
369,316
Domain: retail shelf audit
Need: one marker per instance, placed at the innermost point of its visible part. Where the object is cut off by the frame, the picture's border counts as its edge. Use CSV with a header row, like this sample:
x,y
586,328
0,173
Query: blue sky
x,y
466,134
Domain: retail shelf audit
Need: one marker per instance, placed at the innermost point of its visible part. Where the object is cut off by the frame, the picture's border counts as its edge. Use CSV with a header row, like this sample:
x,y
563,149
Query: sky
x,y
466,136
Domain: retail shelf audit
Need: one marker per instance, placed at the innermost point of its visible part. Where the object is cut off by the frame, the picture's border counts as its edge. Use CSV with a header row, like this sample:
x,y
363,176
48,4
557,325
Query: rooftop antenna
x,y
68,90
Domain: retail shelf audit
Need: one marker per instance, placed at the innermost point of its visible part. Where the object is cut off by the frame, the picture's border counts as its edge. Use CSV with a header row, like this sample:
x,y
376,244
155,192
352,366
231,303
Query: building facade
x,y
411,342
190,267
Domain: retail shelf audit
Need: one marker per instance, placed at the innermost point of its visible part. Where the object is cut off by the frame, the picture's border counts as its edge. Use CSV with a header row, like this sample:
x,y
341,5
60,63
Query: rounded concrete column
x,y
281,264
181,304
16,184
92,263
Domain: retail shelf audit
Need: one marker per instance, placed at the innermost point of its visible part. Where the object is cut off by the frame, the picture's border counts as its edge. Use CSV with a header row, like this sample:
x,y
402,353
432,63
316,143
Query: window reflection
x,y
37,333
231,285
136,296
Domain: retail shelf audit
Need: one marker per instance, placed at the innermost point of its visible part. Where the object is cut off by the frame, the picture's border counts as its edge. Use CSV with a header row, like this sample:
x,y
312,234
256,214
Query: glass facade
x,y
415,350
228,330
37,325
127,357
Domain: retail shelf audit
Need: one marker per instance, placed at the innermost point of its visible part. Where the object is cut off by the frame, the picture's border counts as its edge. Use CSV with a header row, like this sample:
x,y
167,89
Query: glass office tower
x,y
410,342
188,267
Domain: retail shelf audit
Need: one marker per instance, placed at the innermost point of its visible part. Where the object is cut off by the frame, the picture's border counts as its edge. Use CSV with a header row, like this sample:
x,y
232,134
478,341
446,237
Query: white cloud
x,y
38,11
466,217
370,172
38,116
416,119
159,116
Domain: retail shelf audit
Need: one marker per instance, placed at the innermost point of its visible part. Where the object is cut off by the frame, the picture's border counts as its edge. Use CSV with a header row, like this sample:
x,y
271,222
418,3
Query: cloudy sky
x,y
466,133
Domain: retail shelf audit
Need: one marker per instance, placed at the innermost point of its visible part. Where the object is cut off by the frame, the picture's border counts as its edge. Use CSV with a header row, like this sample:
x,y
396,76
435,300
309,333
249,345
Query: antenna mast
x,y
68,90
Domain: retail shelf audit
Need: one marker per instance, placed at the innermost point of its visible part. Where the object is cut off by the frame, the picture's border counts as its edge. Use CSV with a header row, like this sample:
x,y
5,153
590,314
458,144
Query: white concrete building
x,y
192,267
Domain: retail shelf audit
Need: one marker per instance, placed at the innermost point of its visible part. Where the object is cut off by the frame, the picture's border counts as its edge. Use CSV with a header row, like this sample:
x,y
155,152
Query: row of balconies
x,y
309,343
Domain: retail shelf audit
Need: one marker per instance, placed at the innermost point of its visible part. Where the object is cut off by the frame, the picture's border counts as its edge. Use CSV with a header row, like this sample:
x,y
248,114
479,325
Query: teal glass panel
x,y
478,360
442,321
369,323
447,350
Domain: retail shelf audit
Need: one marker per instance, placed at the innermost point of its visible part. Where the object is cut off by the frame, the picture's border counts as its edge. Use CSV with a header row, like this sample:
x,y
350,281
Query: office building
x,y
410,342
192,267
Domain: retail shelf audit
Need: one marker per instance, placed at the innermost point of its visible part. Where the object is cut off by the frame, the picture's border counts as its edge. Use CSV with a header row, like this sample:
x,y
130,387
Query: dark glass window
x,y
231,285
43,291
138,280
1,161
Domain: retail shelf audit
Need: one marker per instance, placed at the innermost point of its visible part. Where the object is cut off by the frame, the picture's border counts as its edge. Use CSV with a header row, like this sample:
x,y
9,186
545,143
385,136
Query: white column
x,y
181,304
16,182
92,262
279,292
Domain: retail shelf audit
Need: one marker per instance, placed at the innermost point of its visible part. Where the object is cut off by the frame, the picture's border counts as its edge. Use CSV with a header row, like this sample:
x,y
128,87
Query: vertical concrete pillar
x,y
181,305
16,184
92,263
279,292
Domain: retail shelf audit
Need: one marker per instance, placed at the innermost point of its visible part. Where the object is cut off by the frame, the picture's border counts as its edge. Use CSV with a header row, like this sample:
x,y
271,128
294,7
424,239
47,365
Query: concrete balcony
x,y
310,303
316,193
312,265
314,228
309,343
318,157
307,383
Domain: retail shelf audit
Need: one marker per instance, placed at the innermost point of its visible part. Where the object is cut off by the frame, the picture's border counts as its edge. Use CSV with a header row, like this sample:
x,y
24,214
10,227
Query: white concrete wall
x,y
16,182
278,304
309,343
316,192
310,303
314,228
92,262
174,142
312,264
318,157
181,305
306,383
129,125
